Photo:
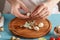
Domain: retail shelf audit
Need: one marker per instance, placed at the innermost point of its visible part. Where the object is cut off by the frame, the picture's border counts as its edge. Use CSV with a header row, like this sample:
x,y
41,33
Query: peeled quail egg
x,y
30,27
1,29
59,29
41,25
17,38
28,14
36,28
13,38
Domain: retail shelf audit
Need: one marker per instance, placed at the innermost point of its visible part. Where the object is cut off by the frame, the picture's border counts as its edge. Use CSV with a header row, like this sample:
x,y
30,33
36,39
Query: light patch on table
x,y
0,35
1,21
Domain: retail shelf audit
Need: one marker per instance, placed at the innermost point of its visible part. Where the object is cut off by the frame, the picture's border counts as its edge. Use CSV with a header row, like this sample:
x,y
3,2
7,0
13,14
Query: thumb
x,y
24,7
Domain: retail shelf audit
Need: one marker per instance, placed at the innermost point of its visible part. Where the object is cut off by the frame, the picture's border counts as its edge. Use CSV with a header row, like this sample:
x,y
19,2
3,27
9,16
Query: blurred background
x,y
2,5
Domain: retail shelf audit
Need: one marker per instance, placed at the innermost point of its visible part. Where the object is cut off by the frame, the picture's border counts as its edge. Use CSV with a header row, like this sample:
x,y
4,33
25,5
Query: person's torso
x,y
31,4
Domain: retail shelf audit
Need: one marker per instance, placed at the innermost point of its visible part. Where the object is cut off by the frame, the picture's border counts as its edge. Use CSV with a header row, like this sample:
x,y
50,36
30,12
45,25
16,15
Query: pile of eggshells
x,y
31,25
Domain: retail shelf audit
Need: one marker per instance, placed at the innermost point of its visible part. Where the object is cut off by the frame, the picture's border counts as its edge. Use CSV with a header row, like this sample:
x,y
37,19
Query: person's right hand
x,y
15,5
41,11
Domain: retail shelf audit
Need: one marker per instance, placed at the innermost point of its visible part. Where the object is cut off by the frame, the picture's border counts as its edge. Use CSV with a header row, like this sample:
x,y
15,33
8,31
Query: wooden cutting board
x,y
14,27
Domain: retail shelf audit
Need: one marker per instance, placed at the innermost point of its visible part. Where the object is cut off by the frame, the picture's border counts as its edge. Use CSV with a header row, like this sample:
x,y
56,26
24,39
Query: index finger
x,y
23,6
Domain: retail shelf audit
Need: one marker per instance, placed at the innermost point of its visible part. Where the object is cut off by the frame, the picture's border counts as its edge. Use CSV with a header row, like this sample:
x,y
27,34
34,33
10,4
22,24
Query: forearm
x,y
52,3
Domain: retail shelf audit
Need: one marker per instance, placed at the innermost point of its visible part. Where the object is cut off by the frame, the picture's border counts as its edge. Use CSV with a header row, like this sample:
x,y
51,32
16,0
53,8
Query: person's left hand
x,y
16,5
41,11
